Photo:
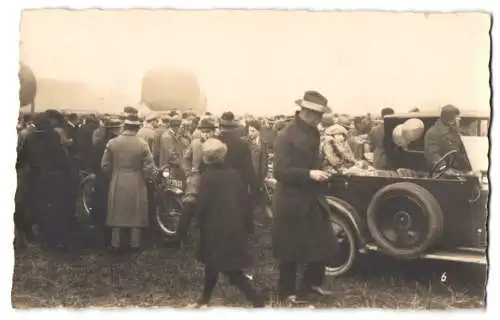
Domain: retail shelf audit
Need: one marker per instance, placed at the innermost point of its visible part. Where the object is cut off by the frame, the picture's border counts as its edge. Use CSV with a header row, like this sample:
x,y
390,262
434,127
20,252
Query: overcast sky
x,y
261,61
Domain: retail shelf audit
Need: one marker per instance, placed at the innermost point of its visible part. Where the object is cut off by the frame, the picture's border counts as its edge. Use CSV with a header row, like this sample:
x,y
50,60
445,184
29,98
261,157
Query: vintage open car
x,y
413,212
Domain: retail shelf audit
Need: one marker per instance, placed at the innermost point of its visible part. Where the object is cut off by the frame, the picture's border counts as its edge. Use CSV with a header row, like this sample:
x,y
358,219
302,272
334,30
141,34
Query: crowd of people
x,y
225,160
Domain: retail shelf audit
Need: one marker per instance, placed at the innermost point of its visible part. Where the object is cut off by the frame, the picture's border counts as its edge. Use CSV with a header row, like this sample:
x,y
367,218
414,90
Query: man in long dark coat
x,y
49,182
302,231
239,155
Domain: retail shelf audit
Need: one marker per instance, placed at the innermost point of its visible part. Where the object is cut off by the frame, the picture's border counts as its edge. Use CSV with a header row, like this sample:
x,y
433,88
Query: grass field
x,y
166,277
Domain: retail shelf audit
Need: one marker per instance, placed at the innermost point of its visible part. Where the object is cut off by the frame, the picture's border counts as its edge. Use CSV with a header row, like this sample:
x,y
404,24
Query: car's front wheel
x,y
344,258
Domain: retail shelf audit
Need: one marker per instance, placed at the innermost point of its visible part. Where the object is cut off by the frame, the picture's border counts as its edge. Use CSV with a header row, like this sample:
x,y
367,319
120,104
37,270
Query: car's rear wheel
x,y
343,259
404,219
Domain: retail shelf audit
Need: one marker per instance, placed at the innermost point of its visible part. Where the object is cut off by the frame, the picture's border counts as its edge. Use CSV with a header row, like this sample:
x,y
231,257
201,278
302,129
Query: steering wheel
x,y
443,164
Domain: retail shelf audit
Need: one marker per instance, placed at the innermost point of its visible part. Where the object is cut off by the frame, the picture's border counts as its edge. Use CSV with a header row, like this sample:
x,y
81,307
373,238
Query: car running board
x,y
465,255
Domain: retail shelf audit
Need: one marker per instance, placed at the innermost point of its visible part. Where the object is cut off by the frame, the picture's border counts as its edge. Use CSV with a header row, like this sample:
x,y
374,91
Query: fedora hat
x,y
314,101
175,121
227,119
151,117
112,123
132,119
207,123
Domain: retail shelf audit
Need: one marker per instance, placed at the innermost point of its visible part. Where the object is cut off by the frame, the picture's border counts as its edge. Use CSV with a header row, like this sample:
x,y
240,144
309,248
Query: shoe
x,y
197,305
320,291
293,300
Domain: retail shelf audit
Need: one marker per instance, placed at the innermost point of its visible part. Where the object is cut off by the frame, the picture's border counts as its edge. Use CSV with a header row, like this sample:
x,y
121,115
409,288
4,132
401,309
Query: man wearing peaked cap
x,y
147,132
302,231
192,164
172,144
443,137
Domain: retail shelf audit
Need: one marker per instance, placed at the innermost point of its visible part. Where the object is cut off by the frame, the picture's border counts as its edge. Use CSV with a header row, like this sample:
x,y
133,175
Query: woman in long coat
x,y
129,161
225,222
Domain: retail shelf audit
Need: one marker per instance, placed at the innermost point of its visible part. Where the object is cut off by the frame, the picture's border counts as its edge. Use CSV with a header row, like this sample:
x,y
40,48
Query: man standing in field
x,y
302,233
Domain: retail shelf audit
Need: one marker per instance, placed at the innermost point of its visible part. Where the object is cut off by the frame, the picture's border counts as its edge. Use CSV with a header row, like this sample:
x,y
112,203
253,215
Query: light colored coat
x,y
147,133
129,161
172,149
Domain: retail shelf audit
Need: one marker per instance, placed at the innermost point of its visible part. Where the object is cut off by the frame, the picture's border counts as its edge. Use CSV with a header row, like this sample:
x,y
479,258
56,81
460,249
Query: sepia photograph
x,y
253,159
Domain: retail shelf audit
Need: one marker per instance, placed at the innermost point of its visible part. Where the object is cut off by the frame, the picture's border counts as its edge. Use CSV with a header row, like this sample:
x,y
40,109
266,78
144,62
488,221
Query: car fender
x,y
347,211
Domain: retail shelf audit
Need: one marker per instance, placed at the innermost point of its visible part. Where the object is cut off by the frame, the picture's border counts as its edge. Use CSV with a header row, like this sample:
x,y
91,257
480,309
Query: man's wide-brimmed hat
x,y
151,117
132,119
112,123
314,101
175,121
227,119
207,123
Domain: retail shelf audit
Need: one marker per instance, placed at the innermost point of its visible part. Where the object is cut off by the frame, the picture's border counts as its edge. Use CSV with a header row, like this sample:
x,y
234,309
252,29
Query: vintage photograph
x,y
252,159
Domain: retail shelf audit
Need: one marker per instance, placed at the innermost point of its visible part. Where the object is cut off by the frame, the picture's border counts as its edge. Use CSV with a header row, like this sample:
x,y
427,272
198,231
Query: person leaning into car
x,y
443,137
302,233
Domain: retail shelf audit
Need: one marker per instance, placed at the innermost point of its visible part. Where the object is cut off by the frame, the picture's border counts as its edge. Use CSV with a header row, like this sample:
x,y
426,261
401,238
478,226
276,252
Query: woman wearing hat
x,y
337,152
128,160
224,220
111,129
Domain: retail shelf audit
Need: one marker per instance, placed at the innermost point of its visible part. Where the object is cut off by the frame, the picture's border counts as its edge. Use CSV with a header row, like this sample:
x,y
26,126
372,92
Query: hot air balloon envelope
x,y
166,89
27,90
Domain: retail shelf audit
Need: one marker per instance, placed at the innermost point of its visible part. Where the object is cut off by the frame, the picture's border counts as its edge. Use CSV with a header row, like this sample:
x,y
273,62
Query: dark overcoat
x,y
48,196
224,219
239,157
302,232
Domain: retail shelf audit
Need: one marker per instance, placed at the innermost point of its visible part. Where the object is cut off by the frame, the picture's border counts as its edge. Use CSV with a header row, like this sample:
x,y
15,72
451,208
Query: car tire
x,y
348,247
397,195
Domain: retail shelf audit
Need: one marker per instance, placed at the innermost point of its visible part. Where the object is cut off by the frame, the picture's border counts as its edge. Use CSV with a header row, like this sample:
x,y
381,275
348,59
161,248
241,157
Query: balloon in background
x,y
165,89
398,138
27,90
413,129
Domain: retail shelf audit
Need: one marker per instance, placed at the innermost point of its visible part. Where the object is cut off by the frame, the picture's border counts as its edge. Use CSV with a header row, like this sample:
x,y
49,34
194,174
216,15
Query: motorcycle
x,y
169,188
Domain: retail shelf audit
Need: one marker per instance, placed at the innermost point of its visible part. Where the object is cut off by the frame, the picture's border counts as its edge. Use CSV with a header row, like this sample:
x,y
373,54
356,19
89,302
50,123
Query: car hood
x,y
477,149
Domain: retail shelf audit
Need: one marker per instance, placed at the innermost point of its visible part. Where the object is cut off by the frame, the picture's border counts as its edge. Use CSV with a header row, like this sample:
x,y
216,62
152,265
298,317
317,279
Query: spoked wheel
x,y
87,193
342,260
168,214
269,186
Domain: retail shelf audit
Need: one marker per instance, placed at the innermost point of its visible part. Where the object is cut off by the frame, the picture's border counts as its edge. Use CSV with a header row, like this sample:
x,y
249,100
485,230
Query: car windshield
x,y
474,127
477,149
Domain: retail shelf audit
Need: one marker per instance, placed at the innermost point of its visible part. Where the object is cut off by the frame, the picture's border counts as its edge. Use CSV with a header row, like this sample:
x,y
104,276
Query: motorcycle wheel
x,y
87,188
168,214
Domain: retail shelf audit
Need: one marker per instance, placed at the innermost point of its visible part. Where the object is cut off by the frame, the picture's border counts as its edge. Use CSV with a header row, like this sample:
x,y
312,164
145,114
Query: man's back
x,y
239,157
